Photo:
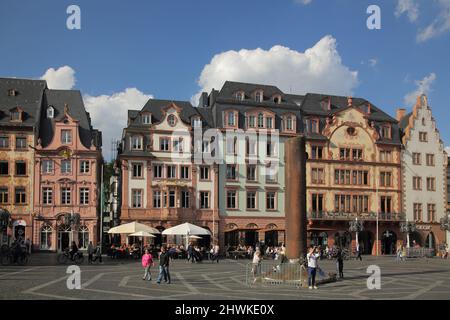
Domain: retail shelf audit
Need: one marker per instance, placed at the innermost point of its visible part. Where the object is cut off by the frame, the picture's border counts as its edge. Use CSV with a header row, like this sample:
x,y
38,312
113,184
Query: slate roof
x,y
404,121
29,99
58,99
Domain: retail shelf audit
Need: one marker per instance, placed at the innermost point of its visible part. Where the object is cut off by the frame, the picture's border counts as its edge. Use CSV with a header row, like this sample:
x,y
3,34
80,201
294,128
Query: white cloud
x,y
440,24
373,62
305,2
109,113
408,7
423,87
318,69
62,78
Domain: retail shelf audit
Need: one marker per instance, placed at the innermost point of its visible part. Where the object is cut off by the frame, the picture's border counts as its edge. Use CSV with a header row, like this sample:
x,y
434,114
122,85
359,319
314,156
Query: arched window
x,y
259,96
289,123
50,112
171,120
260,120
46,237
83,237
239,96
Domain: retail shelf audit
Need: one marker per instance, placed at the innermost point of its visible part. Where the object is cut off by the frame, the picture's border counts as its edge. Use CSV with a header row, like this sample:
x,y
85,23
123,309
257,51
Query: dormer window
x,y
146,118
313,125
136,143
231,119
289,123
172,120
385,132
50,112
259,97
16,115
277,99
239,96
12,92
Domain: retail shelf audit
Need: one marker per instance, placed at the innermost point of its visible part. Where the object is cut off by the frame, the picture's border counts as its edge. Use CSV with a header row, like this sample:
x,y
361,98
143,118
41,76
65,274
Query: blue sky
x,y
161,47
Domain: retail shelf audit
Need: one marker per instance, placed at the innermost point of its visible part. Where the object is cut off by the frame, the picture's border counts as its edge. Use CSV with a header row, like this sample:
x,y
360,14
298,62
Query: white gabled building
x,y
424,166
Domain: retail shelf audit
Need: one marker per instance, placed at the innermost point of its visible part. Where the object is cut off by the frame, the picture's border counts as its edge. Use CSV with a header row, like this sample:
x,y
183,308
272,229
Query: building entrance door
x,y
388,242
64,237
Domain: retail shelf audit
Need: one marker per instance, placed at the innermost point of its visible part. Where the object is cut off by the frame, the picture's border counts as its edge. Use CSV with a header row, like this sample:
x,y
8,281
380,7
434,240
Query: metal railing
x,y
274,273
371,216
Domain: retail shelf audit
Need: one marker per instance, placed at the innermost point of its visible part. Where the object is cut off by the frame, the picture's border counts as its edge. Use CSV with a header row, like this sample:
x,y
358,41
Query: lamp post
x,y
357,227
407,227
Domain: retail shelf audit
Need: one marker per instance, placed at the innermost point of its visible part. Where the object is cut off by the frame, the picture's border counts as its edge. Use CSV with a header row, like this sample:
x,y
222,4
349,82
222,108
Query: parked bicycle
x,y
9,256
65,257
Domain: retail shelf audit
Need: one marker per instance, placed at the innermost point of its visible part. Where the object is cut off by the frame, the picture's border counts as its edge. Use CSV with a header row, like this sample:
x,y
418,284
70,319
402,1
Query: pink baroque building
x,y
67,174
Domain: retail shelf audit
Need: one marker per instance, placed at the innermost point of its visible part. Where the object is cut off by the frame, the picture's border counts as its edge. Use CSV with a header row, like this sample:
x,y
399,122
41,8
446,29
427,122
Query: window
x,y
20,195
344,153
252,121
65,195
259,96
16,116
136,143
386,204
271,200
157,171
231,199
351,203
4,168
171,172
317,176
385,179
137,170
84,166
251,200
271,175
417,158
231,145
431,212
21,143
157,199
260,120
185,199
418,212
184,172
204,173
164,144
84,196
147,118
231,119
431,184
316,152
136,195
50,112
289,124
47,166
12,92
239,96
423,137
4,142
269,123
172,199
357,154
271,149
231,172
251,147
417,183
21,168
66,166
178,145
4,195
385,132
277,99
313,125
171,120
351,177
430,160
385,156
47,195
204,199
66,136
83,237
46,237
196,123
317,203
251,172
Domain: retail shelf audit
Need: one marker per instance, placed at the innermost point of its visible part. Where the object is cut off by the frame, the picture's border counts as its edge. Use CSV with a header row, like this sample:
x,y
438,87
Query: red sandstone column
x,y
295,198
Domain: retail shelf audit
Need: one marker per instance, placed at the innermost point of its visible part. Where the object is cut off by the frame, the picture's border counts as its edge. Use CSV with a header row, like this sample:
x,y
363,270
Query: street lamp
x,y
407,227
356,226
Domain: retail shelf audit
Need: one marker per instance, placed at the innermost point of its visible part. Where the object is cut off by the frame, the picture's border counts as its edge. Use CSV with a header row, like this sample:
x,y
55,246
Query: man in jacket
x,y
164,259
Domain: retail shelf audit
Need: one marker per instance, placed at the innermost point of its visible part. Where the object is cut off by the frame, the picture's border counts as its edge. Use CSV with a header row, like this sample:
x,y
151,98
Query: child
x,y
147,262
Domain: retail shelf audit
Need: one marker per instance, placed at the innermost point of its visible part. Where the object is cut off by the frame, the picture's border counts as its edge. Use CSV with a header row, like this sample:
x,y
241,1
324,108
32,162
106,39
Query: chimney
x,y
329,103
349,101
369,108
400,113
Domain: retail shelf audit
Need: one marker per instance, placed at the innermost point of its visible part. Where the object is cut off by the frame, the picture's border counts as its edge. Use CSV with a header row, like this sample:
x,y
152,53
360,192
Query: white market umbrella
x,y
194,237
142,234
132,227
186,229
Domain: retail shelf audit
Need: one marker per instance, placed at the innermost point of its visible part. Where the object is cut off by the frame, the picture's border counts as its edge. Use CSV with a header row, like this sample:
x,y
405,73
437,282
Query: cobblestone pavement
x,y
43,279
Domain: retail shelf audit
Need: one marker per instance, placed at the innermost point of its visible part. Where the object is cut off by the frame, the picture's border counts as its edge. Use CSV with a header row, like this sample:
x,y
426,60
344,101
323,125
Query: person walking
x,y
399,253
256,264
404,253
312,258
147,263
216,250
190,253
164,261
340,263
90,251
358,252
98,253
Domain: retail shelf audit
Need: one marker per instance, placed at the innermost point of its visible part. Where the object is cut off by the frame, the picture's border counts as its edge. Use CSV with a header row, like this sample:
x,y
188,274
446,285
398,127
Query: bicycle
x,y
7,258
64,257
